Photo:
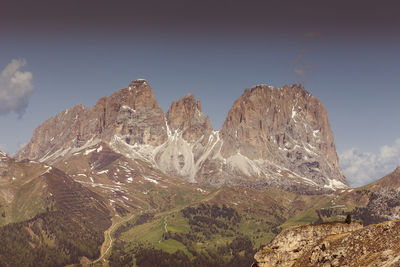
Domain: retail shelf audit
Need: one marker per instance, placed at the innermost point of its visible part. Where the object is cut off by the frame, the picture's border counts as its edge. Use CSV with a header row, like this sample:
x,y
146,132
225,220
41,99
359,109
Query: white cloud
x,y
362,168
15,88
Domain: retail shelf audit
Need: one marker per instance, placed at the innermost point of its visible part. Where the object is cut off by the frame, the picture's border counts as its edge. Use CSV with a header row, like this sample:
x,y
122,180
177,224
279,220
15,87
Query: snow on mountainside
x,y
271,137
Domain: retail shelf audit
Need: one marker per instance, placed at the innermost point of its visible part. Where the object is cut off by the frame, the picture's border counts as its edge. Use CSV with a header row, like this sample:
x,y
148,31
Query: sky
x,y
56,54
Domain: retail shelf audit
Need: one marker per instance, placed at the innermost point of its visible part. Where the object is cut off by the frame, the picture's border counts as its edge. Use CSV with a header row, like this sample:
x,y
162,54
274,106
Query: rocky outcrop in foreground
x,y
334,244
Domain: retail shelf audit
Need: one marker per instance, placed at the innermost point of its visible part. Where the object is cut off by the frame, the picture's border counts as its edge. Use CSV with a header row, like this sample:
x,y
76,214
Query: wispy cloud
x,y
15,88
300,68
362,168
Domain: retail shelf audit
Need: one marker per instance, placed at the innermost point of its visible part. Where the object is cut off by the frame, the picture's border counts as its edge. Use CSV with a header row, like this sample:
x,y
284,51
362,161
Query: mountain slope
x,y
47,219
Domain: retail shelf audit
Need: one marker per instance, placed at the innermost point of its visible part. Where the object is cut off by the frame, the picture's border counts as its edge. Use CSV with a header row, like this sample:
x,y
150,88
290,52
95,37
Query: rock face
x,y
186,116
289,246
334,244
189,134
285,126
271,137
131,113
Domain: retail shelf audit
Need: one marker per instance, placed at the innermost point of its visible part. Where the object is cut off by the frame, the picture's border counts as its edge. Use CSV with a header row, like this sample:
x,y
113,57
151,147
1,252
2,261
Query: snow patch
x,y
335,184
48,169
128,108
294,113
88,151
102,172
150,180
201,190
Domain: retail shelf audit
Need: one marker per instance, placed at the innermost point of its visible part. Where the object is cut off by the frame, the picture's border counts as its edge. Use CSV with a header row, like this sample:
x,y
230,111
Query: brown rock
x,y
185,115
287,126
271,137
131,112
292,244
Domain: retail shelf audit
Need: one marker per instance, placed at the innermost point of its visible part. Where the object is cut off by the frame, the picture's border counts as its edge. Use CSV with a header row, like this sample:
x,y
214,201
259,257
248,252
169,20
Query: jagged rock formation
x,y
131,113
284,126
272,136
334,244
292,243
186,116
189,132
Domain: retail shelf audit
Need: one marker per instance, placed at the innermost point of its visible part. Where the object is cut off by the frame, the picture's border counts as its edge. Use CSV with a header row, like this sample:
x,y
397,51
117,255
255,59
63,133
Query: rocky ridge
x,y
271,136
334,244
288,247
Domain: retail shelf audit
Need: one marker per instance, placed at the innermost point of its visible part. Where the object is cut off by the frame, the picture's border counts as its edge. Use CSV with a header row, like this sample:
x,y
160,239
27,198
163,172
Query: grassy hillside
x,y
225,228
66,221
103,208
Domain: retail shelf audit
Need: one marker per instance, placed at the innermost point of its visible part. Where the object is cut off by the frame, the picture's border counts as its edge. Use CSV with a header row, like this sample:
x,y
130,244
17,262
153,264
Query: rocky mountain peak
x,y
138,82
131,114
185,115
287,126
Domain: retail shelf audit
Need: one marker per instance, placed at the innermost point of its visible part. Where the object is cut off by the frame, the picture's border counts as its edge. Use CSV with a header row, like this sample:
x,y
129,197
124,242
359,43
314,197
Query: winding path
x,y
109,232
165,228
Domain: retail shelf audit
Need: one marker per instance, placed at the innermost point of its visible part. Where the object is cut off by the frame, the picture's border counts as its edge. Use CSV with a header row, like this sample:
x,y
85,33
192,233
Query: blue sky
x,y
354,70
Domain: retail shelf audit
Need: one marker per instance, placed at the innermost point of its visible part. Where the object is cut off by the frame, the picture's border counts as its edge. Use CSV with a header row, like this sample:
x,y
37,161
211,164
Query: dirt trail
x,y
108,233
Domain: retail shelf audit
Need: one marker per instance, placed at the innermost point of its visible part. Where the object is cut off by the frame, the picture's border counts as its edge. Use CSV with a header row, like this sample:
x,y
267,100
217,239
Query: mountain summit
x,y
271,137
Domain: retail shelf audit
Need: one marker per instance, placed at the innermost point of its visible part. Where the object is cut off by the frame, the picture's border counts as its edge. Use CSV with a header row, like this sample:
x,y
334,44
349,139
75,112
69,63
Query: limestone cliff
x,y
285,126
131,113
271,137
185,115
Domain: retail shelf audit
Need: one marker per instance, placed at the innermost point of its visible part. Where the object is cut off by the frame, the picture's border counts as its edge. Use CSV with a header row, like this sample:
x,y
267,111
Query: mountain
x,y
334,244
279,136
271,137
